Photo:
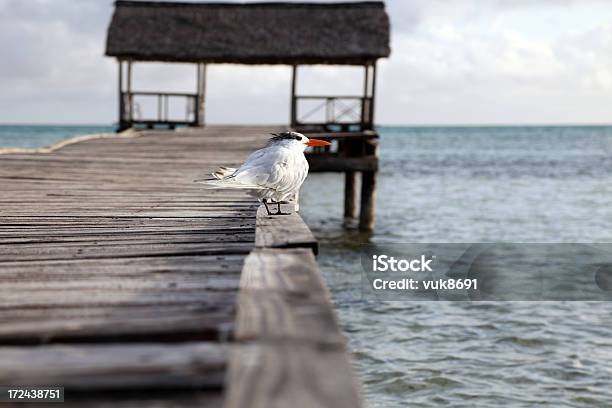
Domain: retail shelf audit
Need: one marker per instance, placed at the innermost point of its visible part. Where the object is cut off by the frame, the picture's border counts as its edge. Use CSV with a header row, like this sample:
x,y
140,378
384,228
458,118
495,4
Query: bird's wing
x,y
266,167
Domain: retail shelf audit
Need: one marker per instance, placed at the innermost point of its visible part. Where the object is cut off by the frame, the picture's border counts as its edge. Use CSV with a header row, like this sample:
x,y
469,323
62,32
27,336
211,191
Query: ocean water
x,y
33,136
464,184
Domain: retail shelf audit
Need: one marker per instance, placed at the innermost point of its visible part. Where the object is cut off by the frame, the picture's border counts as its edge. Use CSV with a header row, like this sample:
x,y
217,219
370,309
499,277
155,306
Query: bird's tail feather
x,y
223,172
229,183
222,178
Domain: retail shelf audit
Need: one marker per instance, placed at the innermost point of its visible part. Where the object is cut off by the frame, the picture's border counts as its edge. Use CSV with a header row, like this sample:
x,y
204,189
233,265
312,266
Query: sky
x,y
464,62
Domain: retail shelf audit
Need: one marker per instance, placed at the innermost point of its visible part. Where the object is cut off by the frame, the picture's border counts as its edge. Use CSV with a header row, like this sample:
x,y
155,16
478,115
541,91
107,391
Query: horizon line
x,y
423,125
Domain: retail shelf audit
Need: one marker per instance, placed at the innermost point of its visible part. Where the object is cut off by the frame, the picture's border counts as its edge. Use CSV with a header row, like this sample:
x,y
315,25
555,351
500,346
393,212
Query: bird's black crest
x,y
284,136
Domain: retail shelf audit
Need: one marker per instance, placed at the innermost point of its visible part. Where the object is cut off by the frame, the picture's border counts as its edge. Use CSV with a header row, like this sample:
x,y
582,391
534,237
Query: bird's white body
x,y
274,173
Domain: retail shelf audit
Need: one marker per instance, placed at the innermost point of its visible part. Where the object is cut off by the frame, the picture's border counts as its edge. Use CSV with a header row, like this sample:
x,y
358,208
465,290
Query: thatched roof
x,y
252,33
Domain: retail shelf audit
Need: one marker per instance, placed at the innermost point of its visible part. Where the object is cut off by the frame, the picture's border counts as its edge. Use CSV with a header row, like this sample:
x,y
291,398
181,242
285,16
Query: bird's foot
x,y
267,209
279,212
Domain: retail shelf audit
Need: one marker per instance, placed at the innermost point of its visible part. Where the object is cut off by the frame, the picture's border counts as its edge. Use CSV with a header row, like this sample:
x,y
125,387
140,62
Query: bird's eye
x,y
298,138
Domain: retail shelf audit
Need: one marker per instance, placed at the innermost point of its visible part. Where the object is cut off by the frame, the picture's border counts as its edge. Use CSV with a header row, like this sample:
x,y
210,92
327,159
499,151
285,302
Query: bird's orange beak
x,y
317,142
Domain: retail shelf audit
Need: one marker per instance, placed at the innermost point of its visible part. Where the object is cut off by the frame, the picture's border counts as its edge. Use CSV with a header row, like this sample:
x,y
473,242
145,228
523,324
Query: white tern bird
x,y
274,173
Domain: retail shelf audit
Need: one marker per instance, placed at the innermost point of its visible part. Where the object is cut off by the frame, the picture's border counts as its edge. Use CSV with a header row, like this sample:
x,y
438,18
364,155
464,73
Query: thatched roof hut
x,y
253,33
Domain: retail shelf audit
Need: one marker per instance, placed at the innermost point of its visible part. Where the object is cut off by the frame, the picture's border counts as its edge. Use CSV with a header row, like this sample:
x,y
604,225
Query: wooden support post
x,y
201,98
365,101
121,106
350,190
196,108
366,81
159,108
166,107
130,115
293,119
373,95
367,214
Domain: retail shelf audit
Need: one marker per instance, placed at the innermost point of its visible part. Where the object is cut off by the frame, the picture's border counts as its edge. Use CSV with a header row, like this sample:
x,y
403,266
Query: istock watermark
x,y
383,263
491,272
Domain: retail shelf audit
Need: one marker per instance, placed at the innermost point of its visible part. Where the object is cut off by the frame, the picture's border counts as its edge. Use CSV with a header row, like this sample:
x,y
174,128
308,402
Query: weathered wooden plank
x,y
49,252
175,282
78,232
136,311
214,210
210,398
283,231
131,323
203,266
115,367
282,296
297,375
124,222
124,199
128,238
94,297
152,212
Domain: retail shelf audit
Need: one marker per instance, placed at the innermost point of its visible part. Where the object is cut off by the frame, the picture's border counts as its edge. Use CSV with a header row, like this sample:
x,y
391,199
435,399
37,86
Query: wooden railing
x,y
132,114
332,113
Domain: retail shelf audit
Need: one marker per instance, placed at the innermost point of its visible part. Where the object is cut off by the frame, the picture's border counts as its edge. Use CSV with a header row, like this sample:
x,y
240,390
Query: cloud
x,y
501,64
51,64
459,61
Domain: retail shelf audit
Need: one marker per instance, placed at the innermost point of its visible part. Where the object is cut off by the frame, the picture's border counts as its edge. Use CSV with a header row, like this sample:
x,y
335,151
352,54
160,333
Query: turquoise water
x,y
486,184
478,184
32,136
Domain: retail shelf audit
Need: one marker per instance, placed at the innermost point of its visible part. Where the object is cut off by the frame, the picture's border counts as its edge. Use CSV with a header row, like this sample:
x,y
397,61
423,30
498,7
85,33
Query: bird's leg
x,y
264,201
279,212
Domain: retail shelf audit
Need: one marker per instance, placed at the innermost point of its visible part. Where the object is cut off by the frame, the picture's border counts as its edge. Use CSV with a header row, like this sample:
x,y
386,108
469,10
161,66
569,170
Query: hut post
x,y
365,101
130,106
120,86
367,213
293,119
196,109
201,95
373,94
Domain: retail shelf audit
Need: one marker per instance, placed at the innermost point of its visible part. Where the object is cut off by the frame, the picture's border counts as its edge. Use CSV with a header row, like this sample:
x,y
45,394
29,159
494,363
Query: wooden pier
x,y
130,285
